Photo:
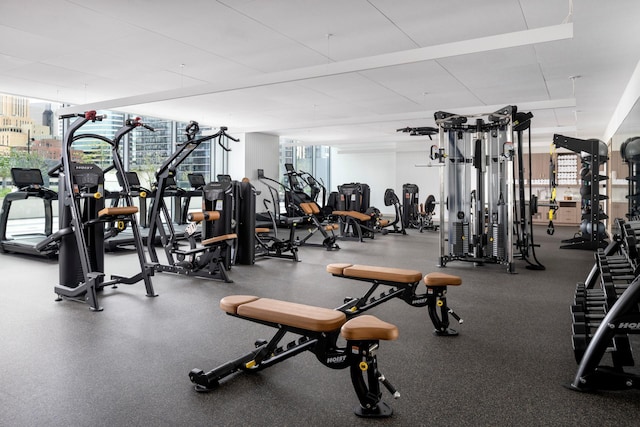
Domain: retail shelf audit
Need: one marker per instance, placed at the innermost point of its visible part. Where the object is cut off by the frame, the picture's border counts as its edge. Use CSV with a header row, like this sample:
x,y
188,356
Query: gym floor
x,y
63,365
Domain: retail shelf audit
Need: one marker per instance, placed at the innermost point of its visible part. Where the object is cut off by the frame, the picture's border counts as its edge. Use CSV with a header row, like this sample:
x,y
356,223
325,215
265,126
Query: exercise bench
x,y
404,284
318,330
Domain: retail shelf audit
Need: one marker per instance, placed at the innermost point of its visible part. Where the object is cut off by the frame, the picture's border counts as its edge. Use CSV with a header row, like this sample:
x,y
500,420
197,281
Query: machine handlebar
x,y
89,115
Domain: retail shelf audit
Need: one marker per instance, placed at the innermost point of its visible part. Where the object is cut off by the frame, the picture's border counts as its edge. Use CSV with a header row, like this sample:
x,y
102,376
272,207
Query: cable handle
x,y
192,129
138,122
223,132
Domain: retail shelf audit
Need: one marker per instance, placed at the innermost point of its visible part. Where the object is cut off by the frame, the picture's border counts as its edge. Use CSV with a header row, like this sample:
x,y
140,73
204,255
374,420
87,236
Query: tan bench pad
x,y
353,214
262,230
310,208
388,274
219,238
367,327
301,316
442,279
118,210
230,303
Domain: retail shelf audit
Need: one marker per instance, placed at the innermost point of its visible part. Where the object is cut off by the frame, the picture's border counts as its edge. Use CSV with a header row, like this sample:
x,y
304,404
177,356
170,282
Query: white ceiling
x,y
335,72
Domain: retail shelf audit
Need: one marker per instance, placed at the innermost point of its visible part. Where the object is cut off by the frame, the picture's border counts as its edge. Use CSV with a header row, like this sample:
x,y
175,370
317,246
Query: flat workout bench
x,y
319,329
403,284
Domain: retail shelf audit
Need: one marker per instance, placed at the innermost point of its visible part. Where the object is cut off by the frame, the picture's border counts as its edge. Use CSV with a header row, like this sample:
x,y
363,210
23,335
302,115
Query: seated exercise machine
x,y
301,187
319,223
391,199
205,260
83,217
208,256
403,284
353,204
30,184
410,198
268,244
318,330
426,214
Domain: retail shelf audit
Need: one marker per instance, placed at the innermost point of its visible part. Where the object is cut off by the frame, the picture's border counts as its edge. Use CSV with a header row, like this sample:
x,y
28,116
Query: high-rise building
x,y
17,129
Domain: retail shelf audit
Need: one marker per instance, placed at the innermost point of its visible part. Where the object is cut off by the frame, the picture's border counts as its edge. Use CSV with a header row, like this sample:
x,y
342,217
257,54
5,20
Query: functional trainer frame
x,y
477,184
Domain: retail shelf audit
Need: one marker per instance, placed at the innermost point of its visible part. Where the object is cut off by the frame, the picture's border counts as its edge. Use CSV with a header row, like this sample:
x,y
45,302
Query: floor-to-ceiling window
x,y
32,136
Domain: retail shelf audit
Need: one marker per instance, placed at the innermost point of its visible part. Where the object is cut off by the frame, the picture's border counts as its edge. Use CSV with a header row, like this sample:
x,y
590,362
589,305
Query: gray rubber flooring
x,y
63,365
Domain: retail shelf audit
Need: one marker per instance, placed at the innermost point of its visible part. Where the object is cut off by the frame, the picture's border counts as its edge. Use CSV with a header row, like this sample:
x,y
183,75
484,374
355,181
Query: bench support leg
x,y
437,301
366,379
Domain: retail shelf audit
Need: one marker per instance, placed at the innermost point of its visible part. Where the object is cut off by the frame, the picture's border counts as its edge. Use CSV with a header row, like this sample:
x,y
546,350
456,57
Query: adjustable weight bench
x,y
319,329
403,285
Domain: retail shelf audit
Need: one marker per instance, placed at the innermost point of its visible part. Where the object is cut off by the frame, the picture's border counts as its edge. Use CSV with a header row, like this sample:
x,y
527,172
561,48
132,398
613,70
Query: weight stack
x,y
497,243
460,246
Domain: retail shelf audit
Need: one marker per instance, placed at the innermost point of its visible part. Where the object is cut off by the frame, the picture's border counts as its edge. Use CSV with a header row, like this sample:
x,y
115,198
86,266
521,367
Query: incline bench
x,y
319,329
403,284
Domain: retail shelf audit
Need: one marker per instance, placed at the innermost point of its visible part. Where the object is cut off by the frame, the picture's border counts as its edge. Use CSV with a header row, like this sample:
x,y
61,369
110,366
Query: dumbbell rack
x,y
604,316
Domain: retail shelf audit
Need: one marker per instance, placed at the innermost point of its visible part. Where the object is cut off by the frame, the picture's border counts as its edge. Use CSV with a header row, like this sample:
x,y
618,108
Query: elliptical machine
x,y
82,218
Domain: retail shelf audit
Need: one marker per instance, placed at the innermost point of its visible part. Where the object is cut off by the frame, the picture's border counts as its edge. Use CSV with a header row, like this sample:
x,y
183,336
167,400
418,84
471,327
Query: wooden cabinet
x,y
568,213
539,168
567,169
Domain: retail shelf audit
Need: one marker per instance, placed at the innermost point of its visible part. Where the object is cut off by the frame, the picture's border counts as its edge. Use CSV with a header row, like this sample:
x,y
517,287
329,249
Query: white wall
x,y
378,170
255,151
415,167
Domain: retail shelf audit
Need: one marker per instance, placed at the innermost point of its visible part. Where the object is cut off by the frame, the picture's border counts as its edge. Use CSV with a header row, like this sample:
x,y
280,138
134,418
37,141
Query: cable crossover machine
x,y
477,187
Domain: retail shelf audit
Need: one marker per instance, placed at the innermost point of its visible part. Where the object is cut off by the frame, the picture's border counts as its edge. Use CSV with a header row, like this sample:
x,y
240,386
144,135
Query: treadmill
x,y
37,243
